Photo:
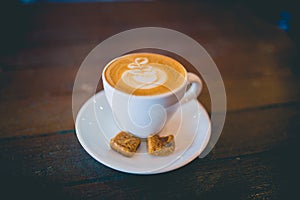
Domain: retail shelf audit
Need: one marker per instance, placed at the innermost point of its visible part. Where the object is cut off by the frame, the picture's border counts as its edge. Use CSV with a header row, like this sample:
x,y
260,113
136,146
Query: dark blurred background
x,y
16,16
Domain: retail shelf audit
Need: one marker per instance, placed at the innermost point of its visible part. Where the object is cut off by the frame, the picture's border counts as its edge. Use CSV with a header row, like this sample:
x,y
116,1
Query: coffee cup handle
x,y
195,88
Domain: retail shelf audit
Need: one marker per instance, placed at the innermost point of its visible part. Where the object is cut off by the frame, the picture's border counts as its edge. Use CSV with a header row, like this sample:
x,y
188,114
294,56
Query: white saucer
x,y
95,126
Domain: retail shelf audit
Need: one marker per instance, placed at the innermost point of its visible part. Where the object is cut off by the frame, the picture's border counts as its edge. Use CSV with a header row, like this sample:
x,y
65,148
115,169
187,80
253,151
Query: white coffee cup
x,y
146,115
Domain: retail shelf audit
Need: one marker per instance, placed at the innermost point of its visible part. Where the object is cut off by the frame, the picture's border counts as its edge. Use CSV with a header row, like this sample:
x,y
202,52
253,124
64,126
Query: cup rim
x,y
172,92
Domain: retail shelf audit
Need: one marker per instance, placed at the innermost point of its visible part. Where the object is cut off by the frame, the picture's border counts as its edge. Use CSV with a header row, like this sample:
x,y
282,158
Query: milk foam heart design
x,y
143,75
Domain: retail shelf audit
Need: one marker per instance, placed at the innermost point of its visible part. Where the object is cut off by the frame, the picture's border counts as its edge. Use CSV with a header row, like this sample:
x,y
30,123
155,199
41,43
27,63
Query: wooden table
x,y
41,53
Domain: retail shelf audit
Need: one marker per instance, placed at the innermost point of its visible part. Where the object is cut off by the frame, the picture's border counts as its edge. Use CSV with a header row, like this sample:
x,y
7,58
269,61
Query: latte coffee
x,y
145,74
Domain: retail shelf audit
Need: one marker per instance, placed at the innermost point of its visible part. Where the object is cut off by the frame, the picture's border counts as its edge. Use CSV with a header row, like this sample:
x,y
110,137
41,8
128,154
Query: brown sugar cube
x,y
160,146
125,143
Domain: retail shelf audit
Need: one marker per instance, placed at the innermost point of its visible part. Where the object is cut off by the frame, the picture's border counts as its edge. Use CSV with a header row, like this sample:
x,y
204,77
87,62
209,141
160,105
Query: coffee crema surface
x,y
145,74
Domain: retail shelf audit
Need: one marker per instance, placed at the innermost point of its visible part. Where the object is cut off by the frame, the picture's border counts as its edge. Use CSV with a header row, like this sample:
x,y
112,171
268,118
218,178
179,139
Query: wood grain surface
x,y
41,157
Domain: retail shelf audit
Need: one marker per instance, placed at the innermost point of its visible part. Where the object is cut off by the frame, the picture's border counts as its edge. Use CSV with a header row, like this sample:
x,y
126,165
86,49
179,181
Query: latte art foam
x,y
145,74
